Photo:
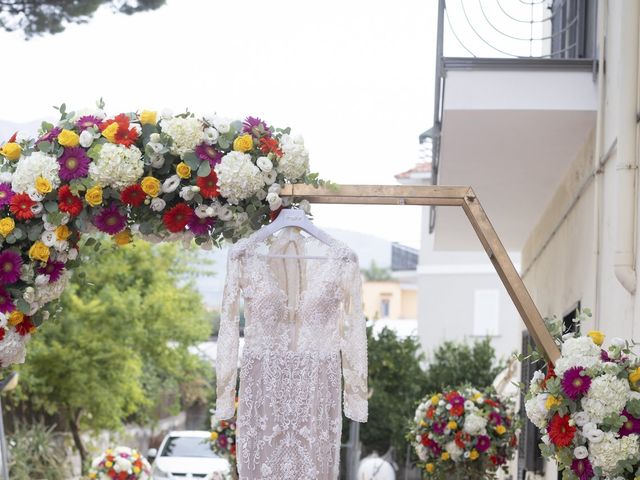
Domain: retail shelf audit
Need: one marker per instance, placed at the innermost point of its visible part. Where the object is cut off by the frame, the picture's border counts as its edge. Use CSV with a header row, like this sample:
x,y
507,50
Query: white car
x,y
187,455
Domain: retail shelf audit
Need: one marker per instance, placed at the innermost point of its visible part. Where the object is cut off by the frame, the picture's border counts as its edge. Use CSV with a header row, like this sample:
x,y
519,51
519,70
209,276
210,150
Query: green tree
x,y
376,273
396,382
456,364
120,342
35,17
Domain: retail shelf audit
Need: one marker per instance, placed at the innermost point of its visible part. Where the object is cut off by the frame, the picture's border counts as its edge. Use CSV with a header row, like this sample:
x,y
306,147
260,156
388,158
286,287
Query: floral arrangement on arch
x,y
161,177
463,433
120,463
587,405
223,440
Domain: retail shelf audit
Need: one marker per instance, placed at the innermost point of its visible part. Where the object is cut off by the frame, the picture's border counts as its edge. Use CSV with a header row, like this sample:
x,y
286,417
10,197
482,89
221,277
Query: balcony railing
x,y
507,34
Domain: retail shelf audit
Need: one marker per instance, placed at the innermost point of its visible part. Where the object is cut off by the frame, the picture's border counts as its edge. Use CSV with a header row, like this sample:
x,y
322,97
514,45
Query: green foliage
x,y
120,342
396,381
36,454
456,364
42,17
375,273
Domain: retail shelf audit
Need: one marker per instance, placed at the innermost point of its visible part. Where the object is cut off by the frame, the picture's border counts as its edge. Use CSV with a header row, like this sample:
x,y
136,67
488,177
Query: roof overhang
x,y
510,129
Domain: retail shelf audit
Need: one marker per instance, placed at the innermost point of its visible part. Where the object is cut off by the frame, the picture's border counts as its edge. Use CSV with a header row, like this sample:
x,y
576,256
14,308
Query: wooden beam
x,y
444,196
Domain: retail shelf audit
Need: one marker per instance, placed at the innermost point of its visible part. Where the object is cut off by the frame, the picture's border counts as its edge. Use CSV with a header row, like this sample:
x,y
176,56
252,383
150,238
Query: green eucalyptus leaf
x,y
204,169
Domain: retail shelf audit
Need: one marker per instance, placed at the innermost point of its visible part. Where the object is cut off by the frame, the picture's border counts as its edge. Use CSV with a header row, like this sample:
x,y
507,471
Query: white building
x,y
460,296
550,146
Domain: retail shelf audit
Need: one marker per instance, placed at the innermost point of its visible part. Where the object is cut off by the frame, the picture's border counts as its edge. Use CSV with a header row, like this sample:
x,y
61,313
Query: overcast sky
x,y
355,78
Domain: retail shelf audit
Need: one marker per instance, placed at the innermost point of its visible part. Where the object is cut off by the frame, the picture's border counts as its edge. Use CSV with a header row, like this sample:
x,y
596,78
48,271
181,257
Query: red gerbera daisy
x,y
208,185
270,145
124,135
25,327
21,205
133,195
2,332
68,202
560,432
177,218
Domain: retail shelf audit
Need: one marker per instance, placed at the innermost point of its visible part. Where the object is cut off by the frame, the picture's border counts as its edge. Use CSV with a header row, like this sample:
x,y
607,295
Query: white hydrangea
x,y
611,450
536,410
475,424
51,291
117,166
13,347
578,351
186,133
454,450
36,165
294,163
607,395
238,177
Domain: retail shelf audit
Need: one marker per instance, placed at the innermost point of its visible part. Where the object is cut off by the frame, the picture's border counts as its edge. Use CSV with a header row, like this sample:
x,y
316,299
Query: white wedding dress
x,y
303,325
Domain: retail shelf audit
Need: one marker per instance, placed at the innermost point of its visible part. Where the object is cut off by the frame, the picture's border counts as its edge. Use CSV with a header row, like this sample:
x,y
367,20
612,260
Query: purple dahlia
x,y
110,220
74,163
208,153
483,443
87,121
255,126
49,136
582,468
200,226
632,425
6,194
53,269
575,382
10,263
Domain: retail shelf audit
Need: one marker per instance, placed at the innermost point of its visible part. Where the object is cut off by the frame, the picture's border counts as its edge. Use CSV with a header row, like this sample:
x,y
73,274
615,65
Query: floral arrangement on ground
x,y
120,463
161,177
463,433
223,440
587,405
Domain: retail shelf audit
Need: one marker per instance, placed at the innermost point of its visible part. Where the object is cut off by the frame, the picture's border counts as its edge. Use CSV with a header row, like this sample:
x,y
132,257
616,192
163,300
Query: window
x,y
486,312
385,307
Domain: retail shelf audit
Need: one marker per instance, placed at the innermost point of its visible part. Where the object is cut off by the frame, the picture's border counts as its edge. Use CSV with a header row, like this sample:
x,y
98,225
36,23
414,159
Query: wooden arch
x,y
436,195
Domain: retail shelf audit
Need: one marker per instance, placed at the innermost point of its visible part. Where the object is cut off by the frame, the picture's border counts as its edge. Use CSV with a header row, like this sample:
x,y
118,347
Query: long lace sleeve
x,y
228,341
354,348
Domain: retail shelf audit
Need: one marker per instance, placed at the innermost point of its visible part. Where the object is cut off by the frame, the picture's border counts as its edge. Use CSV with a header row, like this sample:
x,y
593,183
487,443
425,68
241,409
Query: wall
x,y
569,254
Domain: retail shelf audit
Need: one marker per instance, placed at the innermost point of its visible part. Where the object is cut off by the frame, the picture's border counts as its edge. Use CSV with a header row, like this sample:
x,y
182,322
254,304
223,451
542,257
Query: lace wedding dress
x,y
303,325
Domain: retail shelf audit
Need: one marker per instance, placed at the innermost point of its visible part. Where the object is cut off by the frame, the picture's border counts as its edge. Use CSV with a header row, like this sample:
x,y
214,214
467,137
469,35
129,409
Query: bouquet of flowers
x,y
120,463
223,441
161,177
463,433
588,406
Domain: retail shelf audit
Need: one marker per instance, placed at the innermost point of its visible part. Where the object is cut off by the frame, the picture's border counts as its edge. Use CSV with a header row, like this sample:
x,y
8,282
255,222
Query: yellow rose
x,y
243,143
183,170
596,336
214,436
39,251
150,186
429,467
94,196
11,151
500,429
147,117
445,456
67,138
108,464
552,401
423,423
122,238
43,185
62,233
474,454
634,378
452,425
16,318
136,470
110,132
435,399
7,225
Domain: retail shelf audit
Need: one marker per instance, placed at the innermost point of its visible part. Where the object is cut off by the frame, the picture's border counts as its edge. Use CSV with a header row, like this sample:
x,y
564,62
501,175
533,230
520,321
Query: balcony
x,y
510,117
